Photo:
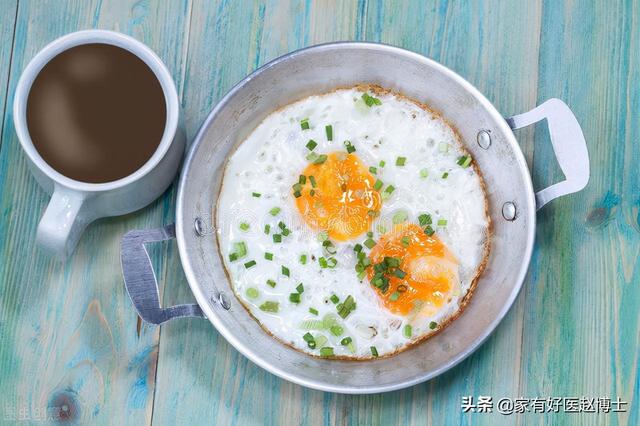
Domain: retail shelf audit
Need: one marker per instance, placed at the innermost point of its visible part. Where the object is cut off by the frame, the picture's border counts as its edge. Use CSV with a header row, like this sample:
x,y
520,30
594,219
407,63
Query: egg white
x,y
270,160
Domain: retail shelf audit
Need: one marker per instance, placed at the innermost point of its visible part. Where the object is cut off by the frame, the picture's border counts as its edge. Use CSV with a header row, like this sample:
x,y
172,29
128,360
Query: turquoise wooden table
x,y
71,347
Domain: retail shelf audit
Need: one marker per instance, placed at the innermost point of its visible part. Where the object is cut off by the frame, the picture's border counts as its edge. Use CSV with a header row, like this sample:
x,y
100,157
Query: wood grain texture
x,y
69,335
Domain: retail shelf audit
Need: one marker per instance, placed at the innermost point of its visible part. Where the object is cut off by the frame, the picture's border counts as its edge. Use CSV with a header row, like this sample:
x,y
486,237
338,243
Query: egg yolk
x,y
338,196
428,271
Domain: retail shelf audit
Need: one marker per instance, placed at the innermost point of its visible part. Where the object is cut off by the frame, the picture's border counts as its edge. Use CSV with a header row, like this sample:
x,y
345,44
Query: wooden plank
x,y
70,343
498,52
8,11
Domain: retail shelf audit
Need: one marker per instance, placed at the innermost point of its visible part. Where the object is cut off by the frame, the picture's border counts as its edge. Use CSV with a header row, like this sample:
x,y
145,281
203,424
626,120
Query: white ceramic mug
x,y
75,204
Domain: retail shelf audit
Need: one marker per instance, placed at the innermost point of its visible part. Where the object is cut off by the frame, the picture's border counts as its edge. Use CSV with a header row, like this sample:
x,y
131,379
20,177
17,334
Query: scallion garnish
x,y
285,271
373,170
274,211
378,185
399,217
407,331
271,283
250,264
374,351
464,161
346,341
336,330
429,230
445,175
370,100
268,256
328,129
394,296
381,163
303,259
442,222
424,219
304,124
345,308
267,228
424,173
302,179
313,311
244,226
312,179
270,306
349,146
256,194
369,243
239,250
326,351
300,288
233,257
335,299
320,159
405,241
294,298
400,161
277,238
433,325
311,144
252,293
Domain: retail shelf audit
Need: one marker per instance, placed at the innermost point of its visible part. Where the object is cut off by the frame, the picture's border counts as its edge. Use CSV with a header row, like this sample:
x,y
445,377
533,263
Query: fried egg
x,y
352,224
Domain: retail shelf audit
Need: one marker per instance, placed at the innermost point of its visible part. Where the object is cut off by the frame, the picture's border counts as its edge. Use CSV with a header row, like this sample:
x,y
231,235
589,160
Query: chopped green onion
x,y
389,189
244,226
374,351
357,248
346,341
443,147
336,330
433,325
268,256
424,219
405,241
320,339
370,234
321,159
240,248
335,299
285,271
312,179
394,296
274,211
378,185
442,222
370,100
445,175
424,173
250,264
257,194
303,259
300,288
399,273
407,331
373,170
267,228
381,163
233,257
399,217
429,230
464,161
328,129
270,306
313,311
345,308
302,179
400,161
277,238
308,337
271,283
323,235
304,124
369,243
294,297
350,148
311,144
326,351
252,293
323,262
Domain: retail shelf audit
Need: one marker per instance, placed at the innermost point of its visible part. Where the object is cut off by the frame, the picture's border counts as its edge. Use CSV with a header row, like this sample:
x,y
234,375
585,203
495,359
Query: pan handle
x,y
568,144
140,279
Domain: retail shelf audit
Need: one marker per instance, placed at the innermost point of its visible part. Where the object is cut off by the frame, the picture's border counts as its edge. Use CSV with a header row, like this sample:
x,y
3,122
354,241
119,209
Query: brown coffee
x,y
96,113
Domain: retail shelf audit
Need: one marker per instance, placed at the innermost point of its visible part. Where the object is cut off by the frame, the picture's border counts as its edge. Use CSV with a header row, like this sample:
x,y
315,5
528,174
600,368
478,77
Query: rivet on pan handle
x,y
140,279
568,144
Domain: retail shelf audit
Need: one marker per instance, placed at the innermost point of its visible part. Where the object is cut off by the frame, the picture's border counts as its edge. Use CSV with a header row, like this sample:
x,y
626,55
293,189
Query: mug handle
x,y
63,222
